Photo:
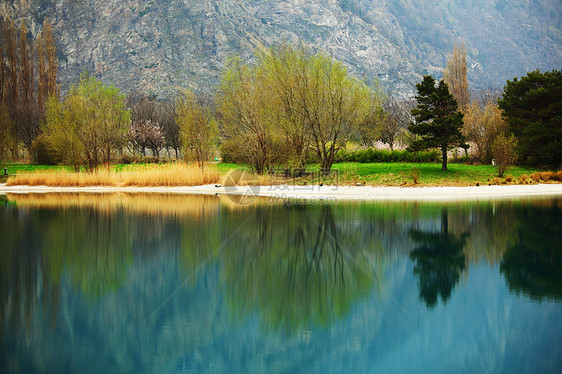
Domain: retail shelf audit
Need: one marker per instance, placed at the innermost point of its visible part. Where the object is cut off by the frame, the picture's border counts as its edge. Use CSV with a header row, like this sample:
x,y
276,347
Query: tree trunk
x,y
444,163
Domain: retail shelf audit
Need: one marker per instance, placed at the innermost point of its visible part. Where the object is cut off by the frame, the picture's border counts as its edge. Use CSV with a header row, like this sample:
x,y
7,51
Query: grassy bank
x,y
347,173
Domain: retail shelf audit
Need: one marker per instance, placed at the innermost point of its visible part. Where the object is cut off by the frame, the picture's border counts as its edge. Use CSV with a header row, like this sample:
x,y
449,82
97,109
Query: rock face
x,y
156,46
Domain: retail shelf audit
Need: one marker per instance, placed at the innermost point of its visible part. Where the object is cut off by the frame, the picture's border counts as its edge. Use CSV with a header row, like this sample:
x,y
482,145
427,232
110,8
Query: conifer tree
x,y
437,119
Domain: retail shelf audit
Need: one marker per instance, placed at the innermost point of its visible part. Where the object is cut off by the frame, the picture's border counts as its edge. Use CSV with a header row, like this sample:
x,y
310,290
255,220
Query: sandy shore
x,y
314,192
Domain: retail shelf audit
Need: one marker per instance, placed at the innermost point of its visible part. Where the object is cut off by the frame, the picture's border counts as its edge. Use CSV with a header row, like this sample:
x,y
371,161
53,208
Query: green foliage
x,y
532,105
291,102
383,155
437,119
89,125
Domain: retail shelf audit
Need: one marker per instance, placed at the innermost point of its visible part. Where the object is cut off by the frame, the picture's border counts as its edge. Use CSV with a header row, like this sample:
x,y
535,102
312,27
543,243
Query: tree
x,y
197,126
503,151
532,106
47,64
482,125
437,119
395,119
6,130
89,125
146,134
333,104
153,124
248,125
456,77
290,102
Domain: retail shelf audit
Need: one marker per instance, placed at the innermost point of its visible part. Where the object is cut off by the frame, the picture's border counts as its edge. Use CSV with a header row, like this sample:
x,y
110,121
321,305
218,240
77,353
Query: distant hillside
x,y
154,46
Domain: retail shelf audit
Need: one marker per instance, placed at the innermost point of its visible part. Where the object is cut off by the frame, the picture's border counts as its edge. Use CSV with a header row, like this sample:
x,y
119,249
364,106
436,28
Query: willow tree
x,y
248,126
333,104
198,129
290,102
89,126
456,76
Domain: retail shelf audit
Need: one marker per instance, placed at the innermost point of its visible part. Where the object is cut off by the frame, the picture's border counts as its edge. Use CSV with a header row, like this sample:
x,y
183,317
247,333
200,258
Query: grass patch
x,y
421,174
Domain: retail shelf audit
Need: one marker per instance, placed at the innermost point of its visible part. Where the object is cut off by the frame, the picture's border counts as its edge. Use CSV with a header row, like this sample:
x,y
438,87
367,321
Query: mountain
x,y
155,46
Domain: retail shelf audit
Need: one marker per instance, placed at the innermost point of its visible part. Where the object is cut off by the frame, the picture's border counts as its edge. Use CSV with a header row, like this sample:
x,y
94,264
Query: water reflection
x,y
439,261
298,266
152,283
532,265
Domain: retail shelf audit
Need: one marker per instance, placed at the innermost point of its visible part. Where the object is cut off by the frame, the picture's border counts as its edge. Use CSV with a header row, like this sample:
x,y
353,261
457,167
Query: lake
x,y
151,283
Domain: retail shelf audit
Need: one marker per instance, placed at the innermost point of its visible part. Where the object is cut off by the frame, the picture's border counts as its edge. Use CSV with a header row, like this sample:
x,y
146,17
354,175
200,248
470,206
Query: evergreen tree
x,y
437,119
532,106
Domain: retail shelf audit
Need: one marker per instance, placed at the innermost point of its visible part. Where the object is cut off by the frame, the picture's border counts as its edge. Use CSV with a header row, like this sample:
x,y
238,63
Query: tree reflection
x,y
439,261
298,266
22,286
533,265
93,248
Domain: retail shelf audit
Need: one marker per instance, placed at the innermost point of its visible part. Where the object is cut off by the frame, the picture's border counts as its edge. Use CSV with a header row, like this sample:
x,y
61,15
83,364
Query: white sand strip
x,y
314,192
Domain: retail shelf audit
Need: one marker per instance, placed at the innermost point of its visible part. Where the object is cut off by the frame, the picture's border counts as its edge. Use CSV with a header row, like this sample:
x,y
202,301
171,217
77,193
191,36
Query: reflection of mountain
x,y
533,265
439,261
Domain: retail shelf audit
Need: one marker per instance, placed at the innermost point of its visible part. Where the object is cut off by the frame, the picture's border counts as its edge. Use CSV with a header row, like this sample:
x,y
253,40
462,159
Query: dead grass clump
x,y
509,179
547,176
523,179
167,175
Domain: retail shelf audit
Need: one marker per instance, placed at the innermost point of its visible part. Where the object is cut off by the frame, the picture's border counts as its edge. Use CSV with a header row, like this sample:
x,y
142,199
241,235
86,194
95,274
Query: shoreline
x,y
321,193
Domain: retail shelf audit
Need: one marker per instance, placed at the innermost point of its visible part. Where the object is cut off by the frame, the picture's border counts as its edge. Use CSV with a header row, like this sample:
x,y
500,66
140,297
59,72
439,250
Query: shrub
x,y
547,176
382,155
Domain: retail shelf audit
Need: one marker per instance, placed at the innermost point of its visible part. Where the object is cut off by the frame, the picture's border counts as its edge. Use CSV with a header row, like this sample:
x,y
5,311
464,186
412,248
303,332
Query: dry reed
x,y
166,175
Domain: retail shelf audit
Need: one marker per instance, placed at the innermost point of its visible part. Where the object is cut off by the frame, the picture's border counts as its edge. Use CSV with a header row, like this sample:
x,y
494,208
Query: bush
x,y
382,155
149,160
126,159
546,176
41,154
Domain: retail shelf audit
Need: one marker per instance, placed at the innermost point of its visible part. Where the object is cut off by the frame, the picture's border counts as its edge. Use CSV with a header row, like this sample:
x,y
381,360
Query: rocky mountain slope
x,y
155,46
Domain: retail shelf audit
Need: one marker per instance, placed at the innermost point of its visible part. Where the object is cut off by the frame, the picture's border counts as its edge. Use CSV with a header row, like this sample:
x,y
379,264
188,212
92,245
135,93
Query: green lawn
x,y
426,174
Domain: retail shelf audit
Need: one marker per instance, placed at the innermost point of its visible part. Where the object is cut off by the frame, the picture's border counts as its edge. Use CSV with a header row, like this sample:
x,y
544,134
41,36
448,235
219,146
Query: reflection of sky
x,y
153,325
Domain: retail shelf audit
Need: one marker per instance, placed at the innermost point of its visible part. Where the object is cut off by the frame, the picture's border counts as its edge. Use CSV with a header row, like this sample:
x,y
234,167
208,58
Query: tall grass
x,y
166,175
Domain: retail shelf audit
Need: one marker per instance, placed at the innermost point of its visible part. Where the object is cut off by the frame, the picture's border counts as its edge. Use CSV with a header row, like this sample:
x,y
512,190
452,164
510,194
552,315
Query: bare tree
x,y
396,117
456,76
47,64
159,117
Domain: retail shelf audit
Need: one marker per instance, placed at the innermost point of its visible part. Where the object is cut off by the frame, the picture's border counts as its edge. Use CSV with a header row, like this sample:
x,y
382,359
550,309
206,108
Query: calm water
x,y
169,284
